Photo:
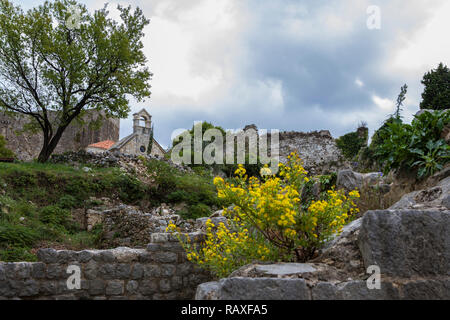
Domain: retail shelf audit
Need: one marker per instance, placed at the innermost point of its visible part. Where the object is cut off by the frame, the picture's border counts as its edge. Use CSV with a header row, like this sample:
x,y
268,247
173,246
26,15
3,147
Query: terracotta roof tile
x,y
103,144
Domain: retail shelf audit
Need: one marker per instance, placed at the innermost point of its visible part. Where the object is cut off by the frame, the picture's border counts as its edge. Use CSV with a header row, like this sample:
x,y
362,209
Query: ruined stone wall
x,y
318,150
27,146
159,272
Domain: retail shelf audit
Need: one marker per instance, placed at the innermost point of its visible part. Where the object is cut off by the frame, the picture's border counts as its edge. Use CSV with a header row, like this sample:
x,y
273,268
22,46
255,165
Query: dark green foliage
x,y
196,211
419,144
173,186
12,254
203,127
228,169
17,235
54,215
352,142
436,94
325,182
67,202
5,152
433,158
130,189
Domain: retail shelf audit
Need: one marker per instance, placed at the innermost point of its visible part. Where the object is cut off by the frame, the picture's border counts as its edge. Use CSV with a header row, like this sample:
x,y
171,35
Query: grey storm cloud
x,y
285,64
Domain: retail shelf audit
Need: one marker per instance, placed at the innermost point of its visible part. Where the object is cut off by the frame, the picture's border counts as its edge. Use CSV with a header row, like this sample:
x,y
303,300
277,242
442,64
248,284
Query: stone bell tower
x,y
142,122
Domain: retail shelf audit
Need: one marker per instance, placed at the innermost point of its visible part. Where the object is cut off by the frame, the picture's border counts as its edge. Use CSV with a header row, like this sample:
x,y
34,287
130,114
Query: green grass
x,y
36,202
195,189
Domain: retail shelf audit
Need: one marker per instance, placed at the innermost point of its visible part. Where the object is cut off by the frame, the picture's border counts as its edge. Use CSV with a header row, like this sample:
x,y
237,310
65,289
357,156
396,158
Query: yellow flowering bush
x,y
227,248
267,221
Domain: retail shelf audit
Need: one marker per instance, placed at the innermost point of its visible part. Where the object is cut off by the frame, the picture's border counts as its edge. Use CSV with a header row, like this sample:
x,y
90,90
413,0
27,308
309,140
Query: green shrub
x,y
174,186
130,189
5,152
433,158
352,142
67,202
13,254
17,235
197,211
54,215
419,144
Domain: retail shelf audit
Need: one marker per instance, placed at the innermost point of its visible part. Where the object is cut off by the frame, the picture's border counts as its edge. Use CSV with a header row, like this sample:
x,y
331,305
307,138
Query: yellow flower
x,y
218,181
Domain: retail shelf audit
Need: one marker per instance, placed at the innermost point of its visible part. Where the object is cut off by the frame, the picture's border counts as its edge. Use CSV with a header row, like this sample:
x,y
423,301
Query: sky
x,y
285,64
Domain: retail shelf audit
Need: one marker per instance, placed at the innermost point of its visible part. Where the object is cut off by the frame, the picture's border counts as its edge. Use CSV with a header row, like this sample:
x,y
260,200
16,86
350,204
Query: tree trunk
x,y
50,146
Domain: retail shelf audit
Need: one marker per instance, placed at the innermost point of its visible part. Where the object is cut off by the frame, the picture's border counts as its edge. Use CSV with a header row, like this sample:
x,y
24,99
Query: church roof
x,y
123,142
102,144
142,112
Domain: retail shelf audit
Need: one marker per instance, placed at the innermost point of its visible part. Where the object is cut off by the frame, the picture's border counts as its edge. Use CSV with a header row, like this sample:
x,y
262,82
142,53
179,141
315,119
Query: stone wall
x,y
161,271
27,145
318,150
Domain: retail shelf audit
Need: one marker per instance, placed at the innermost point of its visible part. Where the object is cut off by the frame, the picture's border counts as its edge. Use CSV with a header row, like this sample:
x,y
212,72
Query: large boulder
x,y
254,289
343,252
350,180
406,243
434,197
300,289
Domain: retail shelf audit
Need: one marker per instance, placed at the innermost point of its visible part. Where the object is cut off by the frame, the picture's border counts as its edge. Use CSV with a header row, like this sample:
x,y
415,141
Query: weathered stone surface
x,y
350,180
132,287
28,145
438,289
282,269
91,269
123,271
30,288
119,273
38,270
165,257
406,243
164,285
167,270
208,291
47,255
23,270
437,197
343,252
318,150
2,273
114,288
353,290
48,288
97,287
148,287
137,272
54,271
85,256
108,271
254,289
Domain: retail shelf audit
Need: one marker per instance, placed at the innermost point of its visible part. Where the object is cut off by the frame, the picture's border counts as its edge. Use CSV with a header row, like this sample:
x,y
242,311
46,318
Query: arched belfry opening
x,y
142,122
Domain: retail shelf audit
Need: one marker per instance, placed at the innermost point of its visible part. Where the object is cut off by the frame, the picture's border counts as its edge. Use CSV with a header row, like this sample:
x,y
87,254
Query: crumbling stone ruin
x,y
27,145
317,149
